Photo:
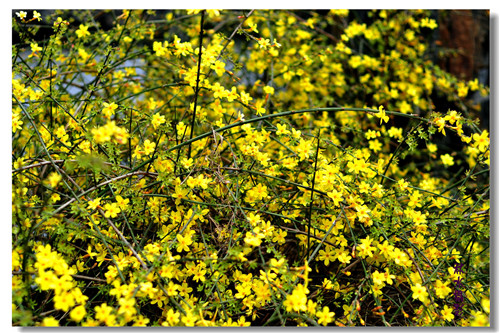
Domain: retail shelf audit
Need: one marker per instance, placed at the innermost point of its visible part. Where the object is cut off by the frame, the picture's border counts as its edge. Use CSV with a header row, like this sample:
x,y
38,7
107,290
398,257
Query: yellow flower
x,y
21,15
187,163
149,147
325,316
343,256
365,248
102,311
111,210
282,130
296,301
78,313
279,236
245,98
93,204
50,322
481,141
303,149
83,54
480,319
172,317
381,114
64,301
54,179
122,203
16,122
127,307
378,278
375,145
141,321
474,85
485,303
447,160
269,90
219,67
432,147
336,196
253,238
60,21
55,197
264,43
82,31
395,132
253,219
259,107
189,319
253,27
183,242
440,122
419,292
452,117
371,134
109,109
327,255
104,133
46,279
429,23
447,314
462,89
34,49
37,16
442,289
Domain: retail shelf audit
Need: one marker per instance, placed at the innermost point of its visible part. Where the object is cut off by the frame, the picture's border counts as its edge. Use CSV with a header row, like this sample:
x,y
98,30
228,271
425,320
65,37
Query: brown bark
x,y
463,32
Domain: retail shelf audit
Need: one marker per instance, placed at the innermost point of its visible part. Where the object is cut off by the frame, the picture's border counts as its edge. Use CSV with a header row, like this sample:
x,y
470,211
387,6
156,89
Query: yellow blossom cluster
x,y
236,168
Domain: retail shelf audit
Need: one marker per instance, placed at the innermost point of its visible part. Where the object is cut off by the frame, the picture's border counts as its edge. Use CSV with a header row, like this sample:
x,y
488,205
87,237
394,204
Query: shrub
x,y
264,167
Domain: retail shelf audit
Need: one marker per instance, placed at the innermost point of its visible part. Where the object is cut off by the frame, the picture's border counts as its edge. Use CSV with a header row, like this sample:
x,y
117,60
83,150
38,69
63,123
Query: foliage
x,y
293,170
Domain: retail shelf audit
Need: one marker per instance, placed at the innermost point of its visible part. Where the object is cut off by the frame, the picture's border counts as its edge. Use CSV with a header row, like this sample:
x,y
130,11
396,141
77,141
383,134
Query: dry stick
x,y
99,76
70,179
323,239
393,155
100,185
88,278
358,293
234,32
91,93
351,265
38,164
421,275
42,163
124,240
42,141
277,178
69,72
405,297
296,231
321,31
276,115
75,197
312,198
197,89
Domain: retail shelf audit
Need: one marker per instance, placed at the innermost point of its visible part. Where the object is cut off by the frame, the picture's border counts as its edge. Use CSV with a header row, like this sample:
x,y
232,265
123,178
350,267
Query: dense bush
x,y
273,168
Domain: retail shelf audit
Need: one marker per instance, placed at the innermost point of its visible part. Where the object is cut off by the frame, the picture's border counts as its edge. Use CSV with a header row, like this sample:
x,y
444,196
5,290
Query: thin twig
x,y
234,32
321,31
312,197
136,173
197,89
88,278
124,240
